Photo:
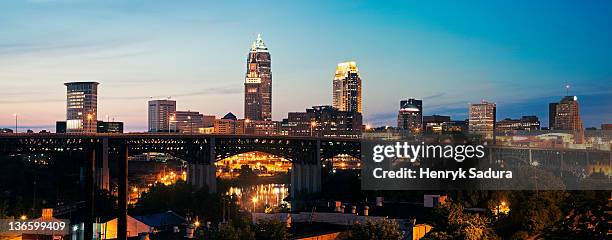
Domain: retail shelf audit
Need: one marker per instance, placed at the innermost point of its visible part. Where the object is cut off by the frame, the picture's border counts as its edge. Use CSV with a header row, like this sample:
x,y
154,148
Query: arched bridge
x,y
200,150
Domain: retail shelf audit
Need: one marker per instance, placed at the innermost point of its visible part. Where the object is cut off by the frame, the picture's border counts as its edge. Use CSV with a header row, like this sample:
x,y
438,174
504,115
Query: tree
x,y
450,222
271,230
537,211
379,230
227,231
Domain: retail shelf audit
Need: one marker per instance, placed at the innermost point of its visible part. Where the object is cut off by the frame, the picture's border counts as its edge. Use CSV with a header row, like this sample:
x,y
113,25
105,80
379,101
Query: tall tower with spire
x,y
258,83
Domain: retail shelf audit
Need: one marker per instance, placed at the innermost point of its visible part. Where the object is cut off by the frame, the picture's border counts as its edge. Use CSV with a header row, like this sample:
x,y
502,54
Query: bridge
x,y
201,151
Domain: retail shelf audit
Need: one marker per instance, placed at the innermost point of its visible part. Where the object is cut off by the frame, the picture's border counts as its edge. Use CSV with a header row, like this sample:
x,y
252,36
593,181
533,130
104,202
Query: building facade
x,y
552,114
347,88
410,115
229,124
160,115
258,83
525,123
187,122
567,117
434,123
81,107
482,120
323,121
110,127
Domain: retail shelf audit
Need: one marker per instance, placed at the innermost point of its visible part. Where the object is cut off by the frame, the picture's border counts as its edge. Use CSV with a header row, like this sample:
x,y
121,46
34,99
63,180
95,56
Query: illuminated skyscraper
x,y
347,88
81,107
482,119
160,115
410,116
258,83
567,117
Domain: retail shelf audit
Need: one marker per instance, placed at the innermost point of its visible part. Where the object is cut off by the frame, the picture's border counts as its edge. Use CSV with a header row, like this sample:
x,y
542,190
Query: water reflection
x,y
260,197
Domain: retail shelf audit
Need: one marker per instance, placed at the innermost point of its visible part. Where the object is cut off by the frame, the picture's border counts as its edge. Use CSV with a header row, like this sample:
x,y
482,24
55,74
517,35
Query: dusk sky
x,y
518,54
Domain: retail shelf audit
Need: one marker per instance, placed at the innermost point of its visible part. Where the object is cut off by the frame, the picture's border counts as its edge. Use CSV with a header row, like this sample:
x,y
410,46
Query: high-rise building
x,y
567,117
258,83
81,107
187,121
482,119
552,113
347,88
160,115
410,115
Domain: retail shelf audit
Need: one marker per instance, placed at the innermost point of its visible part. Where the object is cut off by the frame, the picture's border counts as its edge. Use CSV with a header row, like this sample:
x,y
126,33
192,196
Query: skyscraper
x,y
347,88
552,113
567,117
482,119
258,83
160,114
410,116
81,107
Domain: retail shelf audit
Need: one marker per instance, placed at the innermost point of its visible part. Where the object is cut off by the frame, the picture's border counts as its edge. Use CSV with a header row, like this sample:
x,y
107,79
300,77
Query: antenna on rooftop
x,y
567,87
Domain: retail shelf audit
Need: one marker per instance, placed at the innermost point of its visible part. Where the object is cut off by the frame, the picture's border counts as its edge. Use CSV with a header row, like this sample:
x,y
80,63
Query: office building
x,y
160,115
208,120
567,117
258,83
482,120
229,124
410,115
552,113
81,107
347,88
455,127
434,124
324,121
261,128
110,127
60,127
525,123
187,122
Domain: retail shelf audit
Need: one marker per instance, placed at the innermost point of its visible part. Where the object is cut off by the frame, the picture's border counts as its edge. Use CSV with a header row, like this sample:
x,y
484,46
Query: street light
x,y
313,124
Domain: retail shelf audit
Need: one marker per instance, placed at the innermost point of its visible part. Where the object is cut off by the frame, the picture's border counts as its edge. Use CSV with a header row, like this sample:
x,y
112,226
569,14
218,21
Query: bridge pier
x,y
122,184
203,171
90,172
200,175
306,174
103,175
305,178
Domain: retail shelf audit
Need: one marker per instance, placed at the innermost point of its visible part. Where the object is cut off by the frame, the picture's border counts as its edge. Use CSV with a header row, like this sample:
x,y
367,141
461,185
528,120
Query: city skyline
x,y
200,63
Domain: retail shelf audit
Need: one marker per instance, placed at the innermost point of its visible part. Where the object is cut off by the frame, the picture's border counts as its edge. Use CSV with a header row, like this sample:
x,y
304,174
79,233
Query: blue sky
x,y
518,54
